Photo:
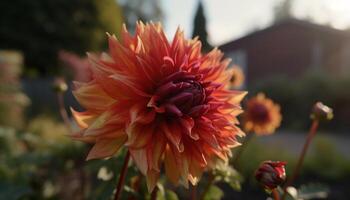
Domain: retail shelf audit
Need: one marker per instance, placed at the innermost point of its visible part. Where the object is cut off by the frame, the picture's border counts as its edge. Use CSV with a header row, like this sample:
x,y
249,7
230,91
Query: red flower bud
x,y
271,174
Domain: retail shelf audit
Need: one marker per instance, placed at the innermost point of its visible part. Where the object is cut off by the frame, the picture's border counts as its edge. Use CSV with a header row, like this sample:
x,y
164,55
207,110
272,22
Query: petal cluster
x,y
261,116
164,101
271,174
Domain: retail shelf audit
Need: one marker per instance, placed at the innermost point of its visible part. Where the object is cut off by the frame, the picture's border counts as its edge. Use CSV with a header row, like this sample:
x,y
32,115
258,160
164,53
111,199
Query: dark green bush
x,y
297,97
41,28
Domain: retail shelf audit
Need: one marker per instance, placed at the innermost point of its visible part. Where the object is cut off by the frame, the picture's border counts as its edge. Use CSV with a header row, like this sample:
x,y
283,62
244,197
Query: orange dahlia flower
x,y
237,77
166,102
261,115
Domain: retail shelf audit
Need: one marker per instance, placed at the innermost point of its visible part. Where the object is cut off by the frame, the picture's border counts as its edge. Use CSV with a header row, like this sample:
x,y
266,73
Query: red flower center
x,y
259,113
180,94
233,78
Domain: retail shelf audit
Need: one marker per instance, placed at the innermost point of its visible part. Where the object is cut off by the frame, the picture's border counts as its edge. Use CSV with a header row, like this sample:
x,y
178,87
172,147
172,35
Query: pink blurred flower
x,y
80,66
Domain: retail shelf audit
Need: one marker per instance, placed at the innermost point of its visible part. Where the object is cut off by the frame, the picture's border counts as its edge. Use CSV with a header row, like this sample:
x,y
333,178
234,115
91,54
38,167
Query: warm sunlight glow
x,y
340,13
334,13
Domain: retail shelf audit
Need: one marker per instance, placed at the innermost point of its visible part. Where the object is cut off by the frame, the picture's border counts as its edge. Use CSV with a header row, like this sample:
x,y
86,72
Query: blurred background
x,y
296,52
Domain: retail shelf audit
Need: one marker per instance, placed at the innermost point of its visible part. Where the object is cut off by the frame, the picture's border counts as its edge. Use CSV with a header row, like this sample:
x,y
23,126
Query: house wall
x,y
290,50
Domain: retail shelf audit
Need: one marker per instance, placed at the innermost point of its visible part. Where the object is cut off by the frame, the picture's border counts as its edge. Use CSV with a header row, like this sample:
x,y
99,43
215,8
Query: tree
x,y
283,10
41,28
200,27
144,10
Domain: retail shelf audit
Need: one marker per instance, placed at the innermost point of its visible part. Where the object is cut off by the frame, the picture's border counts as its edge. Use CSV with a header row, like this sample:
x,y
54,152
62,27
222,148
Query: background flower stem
x,y
122,176
63,111
295,173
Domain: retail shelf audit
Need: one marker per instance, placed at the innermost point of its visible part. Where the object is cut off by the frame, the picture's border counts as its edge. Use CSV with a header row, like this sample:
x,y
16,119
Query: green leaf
x,y
171,195
236,185
164,194
214,193
229,175
313,191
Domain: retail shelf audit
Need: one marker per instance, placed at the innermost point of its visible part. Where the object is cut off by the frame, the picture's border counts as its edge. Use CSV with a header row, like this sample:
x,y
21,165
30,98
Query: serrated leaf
x,y
214,193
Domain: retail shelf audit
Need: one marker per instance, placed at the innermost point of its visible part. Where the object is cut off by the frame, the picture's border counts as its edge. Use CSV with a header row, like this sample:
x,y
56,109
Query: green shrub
x,y
324,160
41,28
12,99
297,97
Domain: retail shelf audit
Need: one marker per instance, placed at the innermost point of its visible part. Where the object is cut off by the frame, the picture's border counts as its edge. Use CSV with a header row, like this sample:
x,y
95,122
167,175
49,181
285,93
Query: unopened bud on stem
x,y
321,112
271,174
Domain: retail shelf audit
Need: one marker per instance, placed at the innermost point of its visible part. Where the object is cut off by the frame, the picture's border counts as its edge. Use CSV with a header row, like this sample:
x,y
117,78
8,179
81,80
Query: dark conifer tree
x,y
200,27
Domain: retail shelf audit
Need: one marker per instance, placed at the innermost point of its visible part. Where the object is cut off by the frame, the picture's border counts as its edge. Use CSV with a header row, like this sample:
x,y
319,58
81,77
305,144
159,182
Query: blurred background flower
x,y
237,77
261,115
79,66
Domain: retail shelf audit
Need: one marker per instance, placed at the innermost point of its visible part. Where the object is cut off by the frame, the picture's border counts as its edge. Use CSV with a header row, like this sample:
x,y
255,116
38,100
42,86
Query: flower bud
x,y
321,112
271,174
59,85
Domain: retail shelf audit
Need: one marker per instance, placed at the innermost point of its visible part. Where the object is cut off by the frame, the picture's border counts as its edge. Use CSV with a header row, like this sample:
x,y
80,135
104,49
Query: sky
x,y
231,19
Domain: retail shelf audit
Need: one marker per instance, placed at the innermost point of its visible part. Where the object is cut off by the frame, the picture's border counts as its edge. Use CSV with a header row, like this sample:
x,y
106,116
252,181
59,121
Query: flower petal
x,y
151,179
80,137
174,135
92,97
171,167
83,119
155,150
105,148
139,135
187,123
140,158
